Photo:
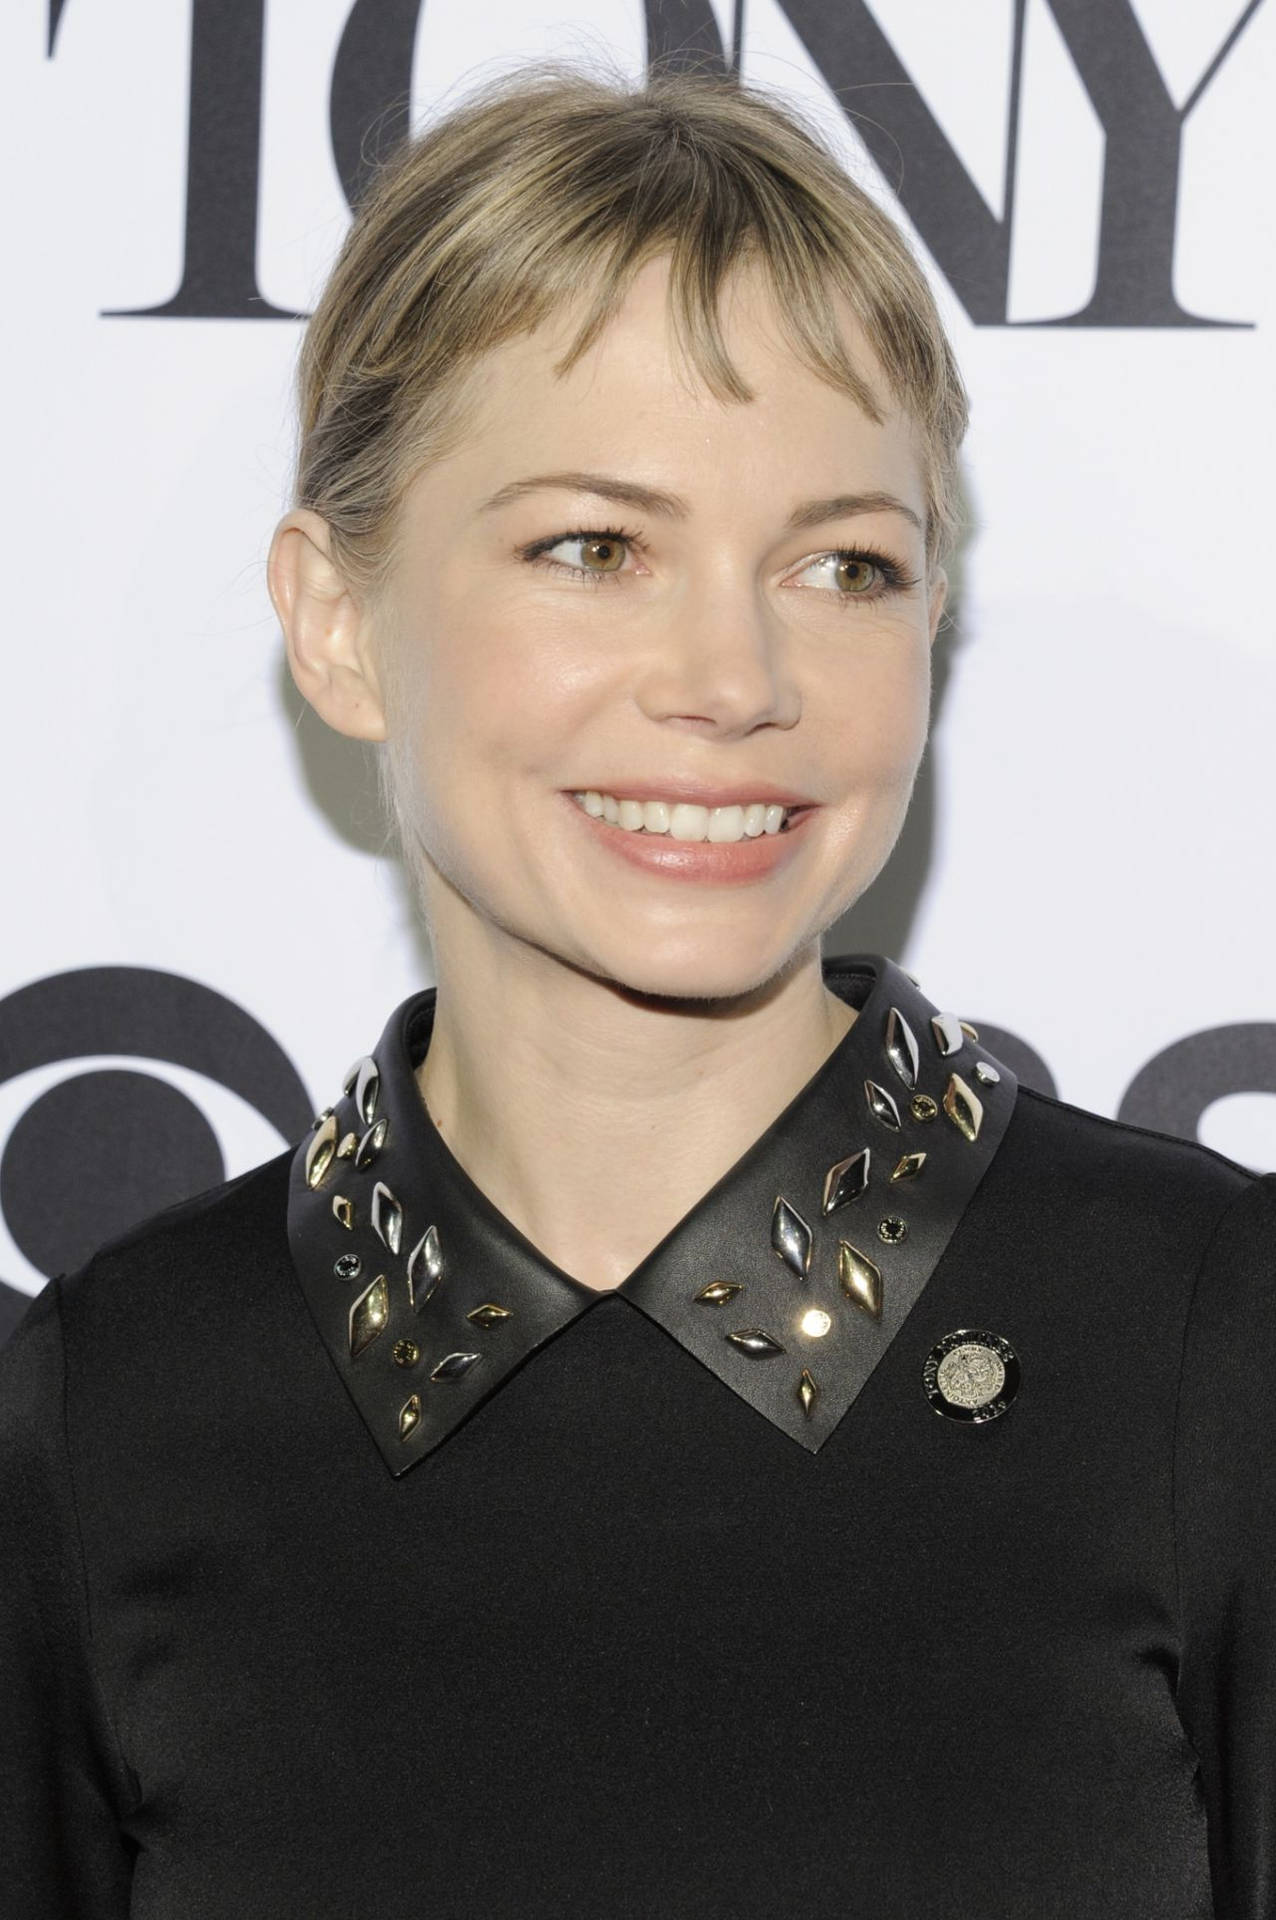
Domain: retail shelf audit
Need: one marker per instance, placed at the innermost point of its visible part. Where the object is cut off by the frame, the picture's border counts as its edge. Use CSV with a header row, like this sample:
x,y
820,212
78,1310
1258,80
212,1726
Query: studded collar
x,y
788,1279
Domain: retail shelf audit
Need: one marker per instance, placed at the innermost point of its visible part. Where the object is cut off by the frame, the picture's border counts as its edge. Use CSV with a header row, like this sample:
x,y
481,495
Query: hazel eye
x,y
854,574
607,548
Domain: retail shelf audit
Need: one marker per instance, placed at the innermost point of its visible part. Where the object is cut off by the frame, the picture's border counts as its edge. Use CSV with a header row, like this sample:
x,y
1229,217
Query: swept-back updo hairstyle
x,y
547,185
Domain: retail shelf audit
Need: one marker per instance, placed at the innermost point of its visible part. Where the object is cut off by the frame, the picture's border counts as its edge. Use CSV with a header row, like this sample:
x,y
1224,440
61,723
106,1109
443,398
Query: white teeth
x,y
682,820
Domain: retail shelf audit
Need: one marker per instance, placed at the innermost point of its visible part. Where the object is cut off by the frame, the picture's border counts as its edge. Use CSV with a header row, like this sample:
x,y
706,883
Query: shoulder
x,y
1124,1189
158,1296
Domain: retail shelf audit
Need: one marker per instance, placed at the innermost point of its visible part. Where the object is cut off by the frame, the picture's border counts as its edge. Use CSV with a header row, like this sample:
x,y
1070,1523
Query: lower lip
x,y
720,860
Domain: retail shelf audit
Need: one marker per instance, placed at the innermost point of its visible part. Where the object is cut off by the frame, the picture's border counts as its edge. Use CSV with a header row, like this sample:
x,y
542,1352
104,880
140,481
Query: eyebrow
x,y
671,506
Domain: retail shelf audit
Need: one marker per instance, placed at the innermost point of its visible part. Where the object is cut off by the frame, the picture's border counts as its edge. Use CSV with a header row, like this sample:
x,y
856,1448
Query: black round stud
x,y
406,1353
892,1230
347,1266
922,1107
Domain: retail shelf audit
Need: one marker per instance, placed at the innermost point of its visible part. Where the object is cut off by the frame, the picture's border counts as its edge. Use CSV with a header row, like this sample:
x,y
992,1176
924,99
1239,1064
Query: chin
x,y
691,968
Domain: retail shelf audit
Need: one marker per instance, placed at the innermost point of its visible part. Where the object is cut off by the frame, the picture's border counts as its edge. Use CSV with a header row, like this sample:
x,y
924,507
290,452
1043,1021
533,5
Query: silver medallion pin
x,y
971,1375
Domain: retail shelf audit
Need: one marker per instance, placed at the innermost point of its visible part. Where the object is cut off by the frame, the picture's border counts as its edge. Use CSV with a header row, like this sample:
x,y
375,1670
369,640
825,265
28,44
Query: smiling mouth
x,y
683,820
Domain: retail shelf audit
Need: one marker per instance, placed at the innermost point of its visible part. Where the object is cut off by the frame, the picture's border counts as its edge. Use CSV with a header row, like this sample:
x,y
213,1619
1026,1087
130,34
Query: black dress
x,y
899,1540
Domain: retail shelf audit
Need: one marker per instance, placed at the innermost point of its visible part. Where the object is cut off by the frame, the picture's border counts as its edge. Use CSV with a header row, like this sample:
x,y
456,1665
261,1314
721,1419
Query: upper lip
x,y
698,793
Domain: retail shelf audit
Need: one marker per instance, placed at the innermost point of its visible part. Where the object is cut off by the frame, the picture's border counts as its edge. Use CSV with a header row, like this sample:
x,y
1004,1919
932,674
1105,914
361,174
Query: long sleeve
x,y
62,1856
1225,1530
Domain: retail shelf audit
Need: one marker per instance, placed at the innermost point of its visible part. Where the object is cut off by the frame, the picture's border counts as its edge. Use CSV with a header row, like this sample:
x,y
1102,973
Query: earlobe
x,y
324,628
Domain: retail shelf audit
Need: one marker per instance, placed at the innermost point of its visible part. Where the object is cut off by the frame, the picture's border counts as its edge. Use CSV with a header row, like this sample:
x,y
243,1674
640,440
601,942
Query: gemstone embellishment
x,y
892,1230
372,1142
757,1344
347,1266
425,1267
847,1180
717,1293
319,1152
791,1237
387,1217
946,1028
963,1106
406,1353
881,1105
368,1315
488,1315
454,1365
367,1086
901,1047
861,1279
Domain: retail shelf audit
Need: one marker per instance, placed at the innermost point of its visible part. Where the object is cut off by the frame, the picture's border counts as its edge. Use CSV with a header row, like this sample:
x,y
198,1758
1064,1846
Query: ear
x,y
938,595
326,633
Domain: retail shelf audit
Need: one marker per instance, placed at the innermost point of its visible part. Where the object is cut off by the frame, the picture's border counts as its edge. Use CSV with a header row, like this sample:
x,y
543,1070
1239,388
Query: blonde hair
x,y
548,181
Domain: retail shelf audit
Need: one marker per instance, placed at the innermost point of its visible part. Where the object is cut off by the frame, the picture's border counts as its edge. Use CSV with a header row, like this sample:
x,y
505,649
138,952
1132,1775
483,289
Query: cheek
x,y
877,714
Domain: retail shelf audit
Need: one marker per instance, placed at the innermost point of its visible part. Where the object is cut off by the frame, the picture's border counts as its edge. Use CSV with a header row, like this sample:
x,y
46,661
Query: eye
x,y
602,550
862,573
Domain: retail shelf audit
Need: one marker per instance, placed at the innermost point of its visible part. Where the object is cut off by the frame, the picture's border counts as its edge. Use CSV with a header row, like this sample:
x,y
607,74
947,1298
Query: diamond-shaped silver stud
x,y
807,1391
425,1267
409,1416
717,1293
387,1216
949,1037
488,1315
901,1048
366,1088
372,1142
881,1104
791,1237
846,1180
454,1365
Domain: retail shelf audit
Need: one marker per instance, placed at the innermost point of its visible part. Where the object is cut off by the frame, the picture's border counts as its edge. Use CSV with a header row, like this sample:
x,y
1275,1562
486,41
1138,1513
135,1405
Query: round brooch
x,y
971,1375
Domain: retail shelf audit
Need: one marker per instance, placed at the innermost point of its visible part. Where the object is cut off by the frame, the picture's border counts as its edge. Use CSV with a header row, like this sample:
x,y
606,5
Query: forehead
x,y
636,402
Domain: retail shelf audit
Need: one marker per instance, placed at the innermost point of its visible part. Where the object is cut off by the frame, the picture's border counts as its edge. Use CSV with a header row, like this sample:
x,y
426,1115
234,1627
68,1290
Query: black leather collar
x,y
788,1280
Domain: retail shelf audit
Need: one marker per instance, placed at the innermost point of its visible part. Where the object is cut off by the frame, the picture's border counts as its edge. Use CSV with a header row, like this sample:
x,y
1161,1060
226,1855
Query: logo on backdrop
x,y
369,108
103,1149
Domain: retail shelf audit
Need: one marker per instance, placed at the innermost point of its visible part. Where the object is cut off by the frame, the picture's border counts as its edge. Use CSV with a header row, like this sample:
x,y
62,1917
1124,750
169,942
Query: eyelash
x,y
894,577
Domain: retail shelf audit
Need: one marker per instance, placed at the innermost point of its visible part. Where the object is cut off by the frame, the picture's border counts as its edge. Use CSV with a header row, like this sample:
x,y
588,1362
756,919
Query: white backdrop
x,y
1088,862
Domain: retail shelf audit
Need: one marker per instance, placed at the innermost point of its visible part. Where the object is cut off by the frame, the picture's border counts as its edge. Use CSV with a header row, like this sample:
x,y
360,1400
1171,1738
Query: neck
x,y
594,1118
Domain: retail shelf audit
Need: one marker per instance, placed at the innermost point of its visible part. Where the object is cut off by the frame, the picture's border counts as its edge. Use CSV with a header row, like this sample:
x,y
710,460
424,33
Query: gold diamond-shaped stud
x,y
717,1293
319,1151
901,1047
343,1209
757,1344
807,1391
861,1279
369,1314
790,1236
963,1106
908,1166
409,1416
488,1315
348,1147
847,1180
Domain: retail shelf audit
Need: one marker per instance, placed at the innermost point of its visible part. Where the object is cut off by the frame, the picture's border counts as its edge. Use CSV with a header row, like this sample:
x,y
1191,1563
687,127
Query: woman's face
x,y
707,650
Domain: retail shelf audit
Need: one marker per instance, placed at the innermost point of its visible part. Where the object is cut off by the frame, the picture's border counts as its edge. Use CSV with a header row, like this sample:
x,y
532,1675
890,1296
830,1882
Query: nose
x,y
720,663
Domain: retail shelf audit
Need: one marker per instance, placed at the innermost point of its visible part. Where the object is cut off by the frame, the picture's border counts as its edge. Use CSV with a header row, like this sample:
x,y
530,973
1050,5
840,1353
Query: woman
x,y
685,1433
